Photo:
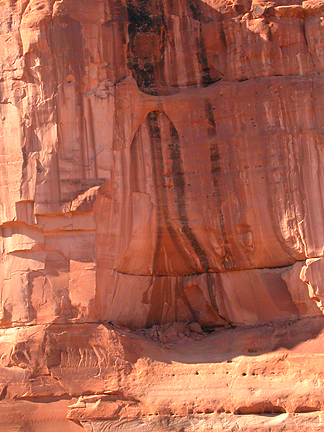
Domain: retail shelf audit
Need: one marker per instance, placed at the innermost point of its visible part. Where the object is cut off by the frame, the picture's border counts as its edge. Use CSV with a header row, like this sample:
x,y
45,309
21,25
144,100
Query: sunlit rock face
x,y
161,161
161,215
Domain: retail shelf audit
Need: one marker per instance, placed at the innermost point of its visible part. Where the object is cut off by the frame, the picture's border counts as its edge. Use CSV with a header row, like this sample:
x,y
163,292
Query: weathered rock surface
x,y
160,152
160,162
164,379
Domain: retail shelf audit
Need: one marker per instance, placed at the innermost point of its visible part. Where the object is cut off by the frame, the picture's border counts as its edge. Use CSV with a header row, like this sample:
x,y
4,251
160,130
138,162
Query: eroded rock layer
x,y
99,378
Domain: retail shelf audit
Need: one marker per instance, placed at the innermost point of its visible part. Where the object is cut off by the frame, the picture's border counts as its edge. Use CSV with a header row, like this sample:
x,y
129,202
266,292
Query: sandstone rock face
x,y
158,154
160,162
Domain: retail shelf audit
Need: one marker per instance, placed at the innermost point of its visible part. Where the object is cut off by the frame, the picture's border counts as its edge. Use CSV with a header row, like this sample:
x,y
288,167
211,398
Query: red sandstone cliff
x,y
161,162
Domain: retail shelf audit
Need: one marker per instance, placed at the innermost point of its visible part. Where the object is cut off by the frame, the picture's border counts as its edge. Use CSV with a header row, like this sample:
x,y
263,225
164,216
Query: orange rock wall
x,y
161,168
155,156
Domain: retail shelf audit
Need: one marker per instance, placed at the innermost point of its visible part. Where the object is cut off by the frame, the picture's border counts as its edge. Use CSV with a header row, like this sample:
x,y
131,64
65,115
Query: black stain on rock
x,y
152,35
163,213
179,185
145,54
228,262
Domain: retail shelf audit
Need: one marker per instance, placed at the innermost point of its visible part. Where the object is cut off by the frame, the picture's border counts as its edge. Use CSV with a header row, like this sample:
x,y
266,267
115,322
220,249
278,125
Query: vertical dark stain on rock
x,y
24,167
228,262
156,31
195,8
179,185
156,149
147,36
162,207
203,61
135,167
188,59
